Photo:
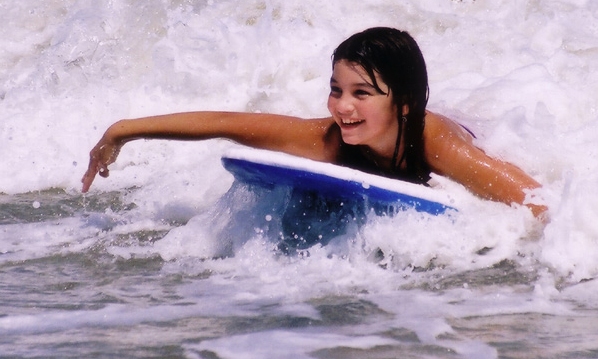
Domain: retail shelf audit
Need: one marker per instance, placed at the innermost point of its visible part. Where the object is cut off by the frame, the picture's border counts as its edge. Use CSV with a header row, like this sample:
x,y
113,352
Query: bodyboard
x,y
268,169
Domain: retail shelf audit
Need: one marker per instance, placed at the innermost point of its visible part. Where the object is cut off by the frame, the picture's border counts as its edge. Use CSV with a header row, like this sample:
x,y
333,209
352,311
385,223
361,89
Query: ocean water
x,y
167,258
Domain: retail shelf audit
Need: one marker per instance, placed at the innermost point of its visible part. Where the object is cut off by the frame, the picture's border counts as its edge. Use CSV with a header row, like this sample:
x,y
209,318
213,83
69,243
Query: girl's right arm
x,y
315,139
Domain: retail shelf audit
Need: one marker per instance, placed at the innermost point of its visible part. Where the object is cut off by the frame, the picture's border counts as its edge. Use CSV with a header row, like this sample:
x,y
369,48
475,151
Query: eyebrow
x,y
358,84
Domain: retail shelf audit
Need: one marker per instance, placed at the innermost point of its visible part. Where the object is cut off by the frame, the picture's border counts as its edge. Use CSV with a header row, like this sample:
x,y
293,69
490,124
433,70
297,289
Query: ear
x,y
405,111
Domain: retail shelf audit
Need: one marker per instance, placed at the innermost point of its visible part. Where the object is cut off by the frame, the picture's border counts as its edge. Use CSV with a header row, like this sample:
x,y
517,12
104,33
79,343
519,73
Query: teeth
x,y
348,121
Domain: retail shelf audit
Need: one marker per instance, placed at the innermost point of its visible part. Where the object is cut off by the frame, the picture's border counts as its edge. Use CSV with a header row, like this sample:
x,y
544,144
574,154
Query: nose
x,y
341,105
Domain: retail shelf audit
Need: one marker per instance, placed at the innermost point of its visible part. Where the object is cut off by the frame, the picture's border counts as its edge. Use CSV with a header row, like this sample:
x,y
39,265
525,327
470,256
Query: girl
x,y
378,124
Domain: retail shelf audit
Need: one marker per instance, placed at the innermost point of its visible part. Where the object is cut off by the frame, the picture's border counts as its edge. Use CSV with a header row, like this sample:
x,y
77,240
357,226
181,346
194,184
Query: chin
x,y
351,141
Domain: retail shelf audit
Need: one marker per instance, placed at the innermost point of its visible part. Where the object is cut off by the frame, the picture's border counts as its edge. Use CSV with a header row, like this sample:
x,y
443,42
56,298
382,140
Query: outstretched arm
x,y
449,151
306,138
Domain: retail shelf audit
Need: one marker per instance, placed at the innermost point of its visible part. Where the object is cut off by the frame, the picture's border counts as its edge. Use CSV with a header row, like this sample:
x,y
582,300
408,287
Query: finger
x,y
92,170
103,172
90,174
88,180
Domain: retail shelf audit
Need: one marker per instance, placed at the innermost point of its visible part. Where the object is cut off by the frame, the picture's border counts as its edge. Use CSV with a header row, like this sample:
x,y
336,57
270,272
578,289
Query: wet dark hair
x,y
395,56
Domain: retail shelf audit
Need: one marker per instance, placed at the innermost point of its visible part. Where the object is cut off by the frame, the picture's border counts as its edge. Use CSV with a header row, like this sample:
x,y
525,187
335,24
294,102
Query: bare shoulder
x,y
446,144
318,139
331,139
441,127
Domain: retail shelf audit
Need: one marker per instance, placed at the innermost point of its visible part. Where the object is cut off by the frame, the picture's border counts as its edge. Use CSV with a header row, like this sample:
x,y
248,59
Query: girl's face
x,y
365,116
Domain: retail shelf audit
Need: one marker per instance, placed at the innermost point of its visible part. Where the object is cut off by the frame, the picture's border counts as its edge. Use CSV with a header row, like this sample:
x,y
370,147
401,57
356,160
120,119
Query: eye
x,y
362,93
335,91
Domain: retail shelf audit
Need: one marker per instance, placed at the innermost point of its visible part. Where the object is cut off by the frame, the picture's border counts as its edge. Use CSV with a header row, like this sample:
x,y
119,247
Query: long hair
x,y
395,56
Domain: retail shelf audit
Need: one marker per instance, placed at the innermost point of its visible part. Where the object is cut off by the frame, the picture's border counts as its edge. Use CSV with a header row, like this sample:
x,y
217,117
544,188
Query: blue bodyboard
x,y
269,169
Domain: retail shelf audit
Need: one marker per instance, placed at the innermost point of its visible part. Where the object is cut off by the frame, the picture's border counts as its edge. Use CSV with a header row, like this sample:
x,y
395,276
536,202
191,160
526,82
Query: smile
x,y
350,122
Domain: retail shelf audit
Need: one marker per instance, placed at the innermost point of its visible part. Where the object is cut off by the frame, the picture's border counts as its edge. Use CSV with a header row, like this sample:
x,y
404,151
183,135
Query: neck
x,y
389,158
380,160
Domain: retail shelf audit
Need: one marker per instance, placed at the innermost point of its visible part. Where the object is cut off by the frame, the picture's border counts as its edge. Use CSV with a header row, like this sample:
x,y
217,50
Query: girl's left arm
x,y
450,152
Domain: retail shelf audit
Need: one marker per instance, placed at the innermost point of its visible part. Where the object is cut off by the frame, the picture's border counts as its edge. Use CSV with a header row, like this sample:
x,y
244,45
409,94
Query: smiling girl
x,y
378,124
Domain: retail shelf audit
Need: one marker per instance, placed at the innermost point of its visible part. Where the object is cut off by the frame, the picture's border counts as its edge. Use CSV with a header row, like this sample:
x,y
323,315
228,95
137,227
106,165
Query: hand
x,y
103,154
